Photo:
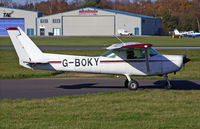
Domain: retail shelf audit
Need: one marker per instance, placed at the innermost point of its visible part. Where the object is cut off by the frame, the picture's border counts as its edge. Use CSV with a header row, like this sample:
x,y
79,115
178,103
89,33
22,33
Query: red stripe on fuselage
x,y
118,61
44,63
55,62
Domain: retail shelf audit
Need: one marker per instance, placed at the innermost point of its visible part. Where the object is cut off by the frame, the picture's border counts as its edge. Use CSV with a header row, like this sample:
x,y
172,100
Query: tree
x,y
6,3
92,3
169,21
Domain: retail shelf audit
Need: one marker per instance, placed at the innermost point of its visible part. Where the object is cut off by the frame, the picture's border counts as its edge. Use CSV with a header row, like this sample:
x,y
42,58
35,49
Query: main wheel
x,y
126,83
167,87
133,85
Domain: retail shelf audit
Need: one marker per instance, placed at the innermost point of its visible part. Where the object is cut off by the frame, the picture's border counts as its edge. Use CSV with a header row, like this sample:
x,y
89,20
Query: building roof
x,y
112,11
107,10
126,13
40,14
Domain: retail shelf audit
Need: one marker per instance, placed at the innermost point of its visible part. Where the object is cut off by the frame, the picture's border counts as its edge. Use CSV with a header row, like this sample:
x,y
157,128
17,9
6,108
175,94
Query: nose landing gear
x,y
168,85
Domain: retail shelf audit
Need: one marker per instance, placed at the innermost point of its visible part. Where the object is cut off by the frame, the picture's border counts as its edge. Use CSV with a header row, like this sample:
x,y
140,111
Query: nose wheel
x,y
131,84
168,85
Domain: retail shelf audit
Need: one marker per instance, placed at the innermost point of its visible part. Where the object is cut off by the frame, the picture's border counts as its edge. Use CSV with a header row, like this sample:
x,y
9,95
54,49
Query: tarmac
x,y
43,88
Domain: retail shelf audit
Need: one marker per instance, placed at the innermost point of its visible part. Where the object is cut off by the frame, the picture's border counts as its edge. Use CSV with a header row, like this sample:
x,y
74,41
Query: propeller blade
x,y
185,59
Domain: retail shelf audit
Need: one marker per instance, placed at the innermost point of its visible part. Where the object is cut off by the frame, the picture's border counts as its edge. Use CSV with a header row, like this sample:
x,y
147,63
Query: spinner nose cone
x,y
185,59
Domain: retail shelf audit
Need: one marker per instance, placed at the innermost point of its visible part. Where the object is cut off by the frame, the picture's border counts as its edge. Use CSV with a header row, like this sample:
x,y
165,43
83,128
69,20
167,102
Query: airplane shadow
x,y
178,85
86,85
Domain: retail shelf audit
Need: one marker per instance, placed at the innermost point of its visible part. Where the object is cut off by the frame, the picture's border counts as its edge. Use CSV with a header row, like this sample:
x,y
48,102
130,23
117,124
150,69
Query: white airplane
x,y
121,59
183,34
193,34
187,33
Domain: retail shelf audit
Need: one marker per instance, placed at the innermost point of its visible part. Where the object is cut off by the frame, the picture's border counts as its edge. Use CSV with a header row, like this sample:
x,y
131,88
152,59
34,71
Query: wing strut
x,y
147,58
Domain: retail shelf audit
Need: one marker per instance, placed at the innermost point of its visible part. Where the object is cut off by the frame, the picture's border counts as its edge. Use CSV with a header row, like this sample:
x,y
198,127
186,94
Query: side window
x,y
110,54
130,54
137,53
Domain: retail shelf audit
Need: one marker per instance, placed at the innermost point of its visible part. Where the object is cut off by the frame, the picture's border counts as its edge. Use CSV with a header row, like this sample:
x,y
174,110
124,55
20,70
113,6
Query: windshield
x,y
152,52
110,54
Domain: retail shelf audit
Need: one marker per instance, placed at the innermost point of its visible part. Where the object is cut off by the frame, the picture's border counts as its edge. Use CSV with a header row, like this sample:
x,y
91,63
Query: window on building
x,y
56,20
43,20
30,31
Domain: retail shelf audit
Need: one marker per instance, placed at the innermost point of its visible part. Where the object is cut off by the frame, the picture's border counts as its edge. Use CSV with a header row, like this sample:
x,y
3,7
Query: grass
x,y
157,109
106,41
10,69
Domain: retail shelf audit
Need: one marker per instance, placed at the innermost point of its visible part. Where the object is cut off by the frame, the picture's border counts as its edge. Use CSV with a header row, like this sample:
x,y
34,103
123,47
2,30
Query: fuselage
x,y
159,64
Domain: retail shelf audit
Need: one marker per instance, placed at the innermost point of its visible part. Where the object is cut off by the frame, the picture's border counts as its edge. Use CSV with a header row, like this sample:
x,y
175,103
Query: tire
x,y
126,83
133,85
168,88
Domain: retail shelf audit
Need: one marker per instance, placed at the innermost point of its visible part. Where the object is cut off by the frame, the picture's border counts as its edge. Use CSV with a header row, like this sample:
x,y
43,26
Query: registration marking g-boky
x,y
81,62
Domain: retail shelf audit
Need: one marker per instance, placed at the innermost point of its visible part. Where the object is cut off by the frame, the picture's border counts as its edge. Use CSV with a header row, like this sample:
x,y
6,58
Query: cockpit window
x,y
152,52
136,53
110,54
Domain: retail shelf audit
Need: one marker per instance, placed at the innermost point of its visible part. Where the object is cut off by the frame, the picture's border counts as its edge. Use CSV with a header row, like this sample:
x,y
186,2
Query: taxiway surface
x,y
42,88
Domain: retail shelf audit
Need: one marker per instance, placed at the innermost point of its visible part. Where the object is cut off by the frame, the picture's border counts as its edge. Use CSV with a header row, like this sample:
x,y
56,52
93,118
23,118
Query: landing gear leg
x,y
126,83
168,84
131,84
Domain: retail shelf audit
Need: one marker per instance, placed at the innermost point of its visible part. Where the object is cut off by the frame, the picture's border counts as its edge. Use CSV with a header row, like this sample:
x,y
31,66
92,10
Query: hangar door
x,y
88,25
10,22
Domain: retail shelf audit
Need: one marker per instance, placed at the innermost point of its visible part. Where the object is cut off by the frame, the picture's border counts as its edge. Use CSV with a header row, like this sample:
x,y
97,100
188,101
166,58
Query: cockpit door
x,y
135,57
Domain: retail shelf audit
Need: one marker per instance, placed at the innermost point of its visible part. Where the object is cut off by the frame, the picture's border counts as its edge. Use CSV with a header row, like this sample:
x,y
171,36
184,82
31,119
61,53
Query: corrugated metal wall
x,y
10,22
88,25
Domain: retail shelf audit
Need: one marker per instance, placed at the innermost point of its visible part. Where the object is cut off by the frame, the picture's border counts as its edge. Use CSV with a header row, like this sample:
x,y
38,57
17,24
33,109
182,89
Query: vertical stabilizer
x,y
34,53
21,53
176,32
26,50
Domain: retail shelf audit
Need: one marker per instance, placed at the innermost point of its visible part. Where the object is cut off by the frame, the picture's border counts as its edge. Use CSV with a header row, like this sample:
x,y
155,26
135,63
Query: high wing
x,y
128,45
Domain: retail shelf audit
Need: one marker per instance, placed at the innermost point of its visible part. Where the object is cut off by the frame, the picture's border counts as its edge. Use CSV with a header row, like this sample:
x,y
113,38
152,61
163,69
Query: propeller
x,y
185,59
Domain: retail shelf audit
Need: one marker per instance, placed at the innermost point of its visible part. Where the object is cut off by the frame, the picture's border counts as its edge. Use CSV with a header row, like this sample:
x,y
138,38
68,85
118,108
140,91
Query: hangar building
x,y
10,17
81,22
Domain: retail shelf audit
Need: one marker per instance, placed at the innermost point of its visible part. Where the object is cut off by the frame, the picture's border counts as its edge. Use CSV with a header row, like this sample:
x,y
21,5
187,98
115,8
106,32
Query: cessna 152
x,y
122,59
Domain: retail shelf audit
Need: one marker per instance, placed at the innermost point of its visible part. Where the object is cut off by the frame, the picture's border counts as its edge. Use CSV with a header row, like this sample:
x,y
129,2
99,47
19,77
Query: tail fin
x,y
176,32
26,50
